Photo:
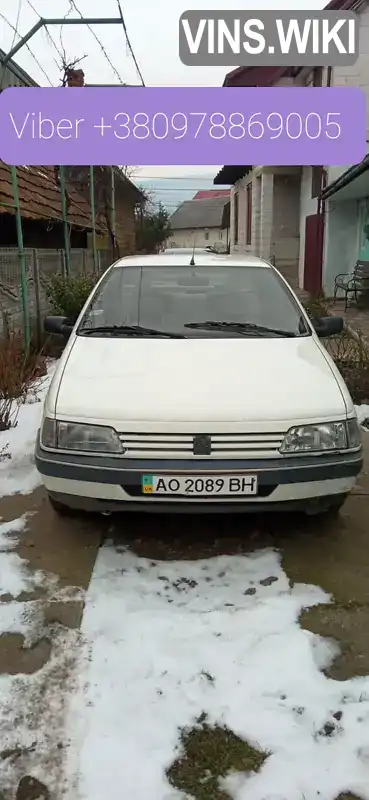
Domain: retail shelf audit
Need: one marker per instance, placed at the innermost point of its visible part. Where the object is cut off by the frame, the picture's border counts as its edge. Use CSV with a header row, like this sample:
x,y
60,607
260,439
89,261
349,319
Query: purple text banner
x,y
183,126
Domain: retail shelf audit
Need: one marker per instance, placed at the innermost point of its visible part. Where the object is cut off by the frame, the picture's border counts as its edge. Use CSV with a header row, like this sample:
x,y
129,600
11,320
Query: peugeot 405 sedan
x,y
197,382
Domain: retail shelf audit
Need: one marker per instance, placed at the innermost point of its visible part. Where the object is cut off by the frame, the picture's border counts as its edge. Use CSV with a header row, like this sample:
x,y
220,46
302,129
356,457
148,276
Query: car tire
x,y
61,509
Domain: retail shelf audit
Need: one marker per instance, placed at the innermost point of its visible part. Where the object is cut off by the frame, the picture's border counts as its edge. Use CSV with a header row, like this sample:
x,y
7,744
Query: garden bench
x,y
353,283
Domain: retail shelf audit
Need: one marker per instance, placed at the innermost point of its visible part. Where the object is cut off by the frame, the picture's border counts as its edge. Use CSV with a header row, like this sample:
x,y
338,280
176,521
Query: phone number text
x,y
219,126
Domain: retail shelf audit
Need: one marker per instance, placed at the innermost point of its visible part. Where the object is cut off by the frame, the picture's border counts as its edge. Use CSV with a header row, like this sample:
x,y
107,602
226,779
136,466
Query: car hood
x,y
194,380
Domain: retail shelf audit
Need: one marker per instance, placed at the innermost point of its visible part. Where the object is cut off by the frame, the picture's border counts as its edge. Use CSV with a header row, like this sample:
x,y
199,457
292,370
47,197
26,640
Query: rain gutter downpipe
x,y
321,204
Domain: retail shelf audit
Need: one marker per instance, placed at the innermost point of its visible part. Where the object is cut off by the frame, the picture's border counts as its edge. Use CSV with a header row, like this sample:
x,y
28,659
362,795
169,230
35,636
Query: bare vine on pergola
x,y
71,76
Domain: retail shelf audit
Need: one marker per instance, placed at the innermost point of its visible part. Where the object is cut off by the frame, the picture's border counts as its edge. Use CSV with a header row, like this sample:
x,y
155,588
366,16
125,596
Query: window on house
x,y
220,235
235,219
249,213
206,235
316,181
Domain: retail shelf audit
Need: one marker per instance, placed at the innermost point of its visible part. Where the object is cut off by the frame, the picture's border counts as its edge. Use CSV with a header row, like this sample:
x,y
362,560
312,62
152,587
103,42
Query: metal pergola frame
x,y
43,22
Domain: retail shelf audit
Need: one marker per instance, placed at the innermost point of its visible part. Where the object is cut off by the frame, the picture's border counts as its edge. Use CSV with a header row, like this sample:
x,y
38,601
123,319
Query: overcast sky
x,y
153,30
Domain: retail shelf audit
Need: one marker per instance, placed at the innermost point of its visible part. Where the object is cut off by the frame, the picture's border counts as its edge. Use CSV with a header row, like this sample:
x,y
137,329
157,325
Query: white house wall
x,y
355,75
341,241
358,73
186,237
286,220
240,188
262,194
342,219
262,214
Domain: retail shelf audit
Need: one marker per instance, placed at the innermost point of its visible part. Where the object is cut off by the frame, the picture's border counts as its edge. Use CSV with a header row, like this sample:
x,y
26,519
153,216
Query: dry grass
x,y
19,371
209,754
351,356
350,353
348,796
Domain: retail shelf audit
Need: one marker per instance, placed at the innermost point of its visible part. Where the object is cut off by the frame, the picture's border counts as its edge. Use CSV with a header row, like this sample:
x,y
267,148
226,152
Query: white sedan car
x,y
196,383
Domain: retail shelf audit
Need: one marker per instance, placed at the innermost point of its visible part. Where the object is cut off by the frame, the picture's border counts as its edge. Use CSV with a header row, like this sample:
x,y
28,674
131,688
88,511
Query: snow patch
x,y
362,413
19,474
15,575
154,631
32,706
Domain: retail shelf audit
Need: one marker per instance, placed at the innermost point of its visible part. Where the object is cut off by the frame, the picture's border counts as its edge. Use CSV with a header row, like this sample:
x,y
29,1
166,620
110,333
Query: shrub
x,y
68,295
316,306
351,355
19,371
349,350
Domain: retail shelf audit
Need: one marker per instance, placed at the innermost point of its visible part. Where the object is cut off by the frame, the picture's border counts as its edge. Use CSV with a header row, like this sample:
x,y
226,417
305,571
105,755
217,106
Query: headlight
x,y
321,438
77,436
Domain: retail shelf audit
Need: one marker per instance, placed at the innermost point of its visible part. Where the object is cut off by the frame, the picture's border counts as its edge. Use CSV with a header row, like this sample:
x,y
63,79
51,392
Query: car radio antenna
x,y
192,262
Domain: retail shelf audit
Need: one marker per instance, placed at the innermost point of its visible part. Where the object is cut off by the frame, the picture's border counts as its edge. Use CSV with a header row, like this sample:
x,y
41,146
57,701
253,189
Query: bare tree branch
x,y
68,67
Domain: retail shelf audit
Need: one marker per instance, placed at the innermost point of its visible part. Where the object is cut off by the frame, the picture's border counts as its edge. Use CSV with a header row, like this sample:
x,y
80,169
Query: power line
x,y
16,24
103,49
139,73
15,29
28,48
48,34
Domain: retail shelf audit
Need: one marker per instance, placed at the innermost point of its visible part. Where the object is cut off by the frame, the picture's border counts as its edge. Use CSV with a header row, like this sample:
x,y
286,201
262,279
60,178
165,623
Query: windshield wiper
x,y
240,327
129,330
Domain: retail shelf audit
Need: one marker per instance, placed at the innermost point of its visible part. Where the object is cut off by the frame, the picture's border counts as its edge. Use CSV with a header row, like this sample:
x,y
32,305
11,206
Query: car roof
x,y
182,258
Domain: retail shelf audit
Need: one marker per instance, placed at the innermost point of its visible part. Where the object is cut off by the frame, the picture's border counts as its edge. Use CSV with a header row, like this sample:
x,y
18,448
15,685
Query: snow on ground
x,y
32,705
19,474
168,641
15,577
362,413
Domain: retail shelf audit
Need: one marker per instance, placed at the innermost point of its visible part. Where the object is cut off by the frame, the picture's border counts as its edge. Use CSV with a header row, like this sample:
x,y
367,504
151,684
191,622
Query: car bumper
x,y
104,484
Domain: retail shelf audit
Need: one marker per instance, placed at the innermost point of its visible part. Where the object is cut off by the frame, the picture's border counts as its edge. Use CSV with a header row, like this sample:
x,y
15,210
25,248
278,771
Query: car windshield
x,y
193,301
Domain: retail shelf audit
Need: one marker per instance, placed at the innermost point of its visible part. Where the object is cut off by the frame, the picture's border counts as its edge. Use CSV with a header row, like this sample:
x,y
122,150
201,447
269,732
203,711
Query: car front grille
x,y
178,446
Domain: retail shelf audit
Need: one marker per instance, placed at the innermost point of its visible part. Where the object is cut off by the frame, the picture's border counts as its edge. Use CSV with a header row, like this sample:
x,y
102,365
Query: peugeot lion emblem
x,y
202,445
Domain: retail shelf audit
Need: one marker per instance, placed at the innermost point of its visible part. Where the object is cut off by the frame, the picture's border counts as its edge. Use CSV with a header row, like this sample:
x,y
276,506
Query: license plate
x,y
195,486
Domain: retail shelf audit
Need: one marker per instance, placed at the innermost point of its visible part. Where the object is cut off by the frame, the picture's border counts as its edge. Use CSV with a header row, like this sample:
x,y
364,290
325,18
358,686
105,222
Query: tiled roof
x,y
254,76
40,197
210,194
267,76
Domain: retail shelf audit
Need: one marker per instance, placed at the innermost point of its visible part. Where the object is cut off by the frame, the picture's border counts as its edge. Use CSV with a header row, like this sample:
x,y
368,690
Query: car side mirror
x,y
62,326
328,326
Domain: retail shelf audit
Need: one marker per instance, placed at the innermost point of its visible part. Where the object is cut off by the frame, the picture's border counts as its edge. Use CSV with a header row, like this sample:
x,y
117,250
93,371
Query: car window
x,y
170,298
